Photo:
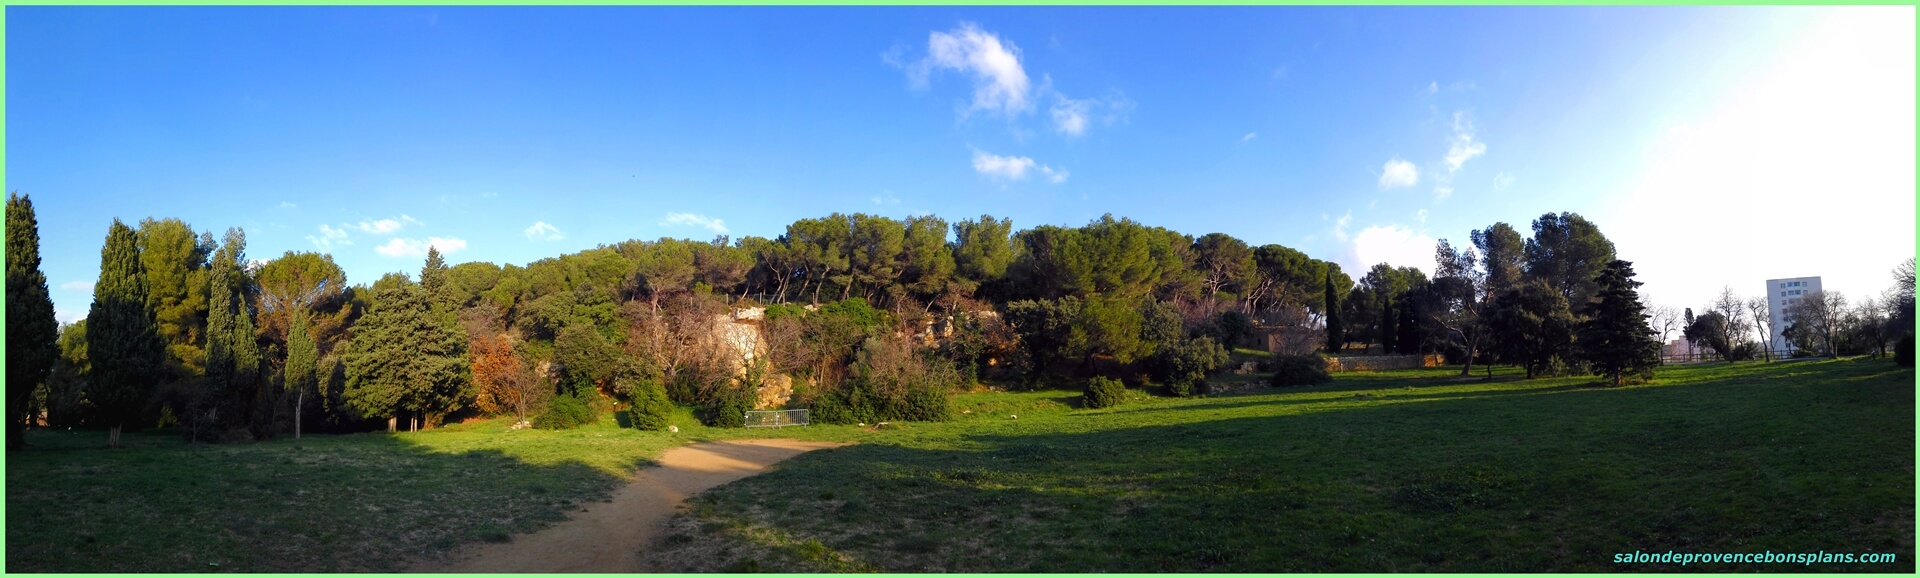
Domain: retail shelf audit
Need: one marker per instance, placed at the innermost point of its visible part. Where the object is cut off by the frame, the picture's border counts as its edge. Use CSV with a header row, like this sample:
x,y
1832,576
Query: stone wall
x,y
1382,362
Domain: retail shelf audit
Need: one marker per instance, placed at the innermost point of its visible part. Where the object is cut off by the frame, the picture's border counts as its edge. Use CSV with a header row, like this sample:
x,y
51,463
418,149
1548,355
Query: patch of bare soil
x,y
609,537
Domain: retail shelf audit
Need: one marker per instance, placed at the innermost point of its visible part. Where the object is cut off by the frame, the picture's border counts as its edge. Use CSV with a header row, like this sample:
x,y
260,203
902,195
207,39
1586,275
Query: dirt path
x,y
608,537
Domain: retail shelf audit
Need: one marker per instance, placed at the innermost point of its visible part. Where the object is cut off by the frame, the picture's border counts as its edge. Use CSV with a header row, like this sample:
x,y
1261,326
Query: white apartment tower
x,y
1780,293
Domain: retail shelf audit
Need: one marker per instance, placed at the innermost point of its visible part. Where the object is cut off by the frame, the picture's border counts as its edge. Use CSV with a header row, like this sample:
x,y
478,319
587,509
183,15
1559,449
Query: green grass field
x,y
1411,470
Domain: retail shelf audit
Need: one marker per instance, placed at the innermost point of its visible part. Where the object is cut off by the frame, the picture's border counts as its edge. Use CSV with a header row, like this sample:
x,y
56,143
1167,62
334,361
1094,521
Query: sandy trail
x,y
608,537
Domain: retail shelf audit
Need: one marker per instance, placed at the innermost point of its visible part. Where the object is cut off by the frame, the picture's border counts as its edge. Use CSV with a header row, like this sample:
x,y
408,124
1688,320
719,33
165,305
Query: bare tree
x,y
1664,319
1820,313
1867,322
1758,307
1733,310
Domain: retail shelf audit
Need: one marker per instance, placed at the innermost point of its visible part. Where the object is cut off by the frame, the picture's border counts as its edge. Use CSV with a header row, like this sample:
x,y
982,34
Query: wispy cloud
x,y
1013,168
1398,173
541,231
1502,181
405,247
1463,147
1000,84
1249,137
712,224
329,237
1420,215
287,205
1072,117
886,198
1433,87
81,286
386,226
1340,225
1441,192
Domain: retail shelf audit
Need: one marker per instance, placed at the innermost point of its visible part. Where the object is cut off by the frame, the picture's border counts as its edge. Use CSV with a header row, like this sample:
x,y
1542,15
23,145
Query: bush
x,y
569,411
1185,364
1292,370
651,409
1903,351
830,408
925,403
729,407
1102,392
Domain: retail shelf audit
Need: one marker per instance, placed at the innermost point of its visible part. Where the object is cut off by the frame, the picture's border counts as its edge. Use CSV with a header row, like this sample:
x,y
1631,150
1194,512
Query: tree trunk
x,y
1472,345
299,403
393,424
113,436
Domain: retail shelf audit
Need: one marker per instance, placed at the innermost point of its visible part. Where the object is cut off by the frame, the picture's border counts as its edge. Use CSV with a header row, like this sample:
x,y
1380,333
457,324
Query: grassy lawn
x,y
1409,470
1393,471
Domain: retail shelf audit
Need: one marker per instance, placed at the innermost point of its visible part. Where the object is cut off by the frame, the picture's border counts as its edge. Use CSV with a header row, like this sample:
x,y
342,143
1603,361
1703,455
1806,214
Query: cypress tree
x,y
1615,337
233,353
302,358
31,329
122,341
433,278
404,358
1336,327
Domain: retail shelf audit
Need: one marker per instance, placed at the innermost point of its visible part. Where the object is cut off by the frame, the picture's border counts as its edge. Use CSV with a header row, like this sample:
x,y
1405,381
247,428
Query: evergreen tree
x,y
302,357
1615,337
435,280
1336,328
233,352
31,329
404,359
127,353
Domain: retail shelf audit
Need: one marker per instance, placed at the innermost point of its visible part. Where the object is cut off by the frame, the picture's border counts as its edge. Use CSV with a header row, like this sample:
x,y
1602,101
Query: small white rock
x,y
673,428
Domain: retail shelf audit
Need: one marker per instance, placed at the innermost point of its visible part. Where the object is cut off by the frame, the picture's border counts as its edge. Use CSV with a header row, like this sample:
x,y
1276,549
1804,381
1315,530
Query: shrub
x,y
1185,364
568,411
1292,370
830,408
1102,392
1903,351
651,409
926,403
729,407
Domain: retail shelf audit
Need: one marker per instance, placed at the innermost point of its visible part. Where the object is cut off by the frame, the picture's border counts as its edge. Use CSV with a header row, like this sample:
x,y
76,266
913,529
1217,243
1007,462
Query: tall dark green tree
x,y
128,356
31,328
1336,329
403,359
1532,326
1614,337
438,284
298,376
1567,253
233,385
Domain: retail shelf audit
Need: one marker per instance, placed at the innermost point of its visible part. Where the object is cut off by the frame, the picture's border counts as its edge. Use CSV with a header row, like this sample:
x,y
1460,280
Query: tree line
x,y
865,318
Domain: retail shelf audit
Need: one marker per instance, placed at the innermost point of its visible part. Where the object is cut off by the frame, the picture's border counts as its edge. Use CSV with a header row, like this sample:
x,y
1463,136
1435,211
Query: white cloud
x,y
712,224
404,247
1502,181
1393,245
64,316
1000,84
287,205
541,231
489,195
329,237
1014,168
1398,173
1072,117
386,226
1420,215
81,286
886,198
1441,192
1433,87
1463,147
1250,136
1340,225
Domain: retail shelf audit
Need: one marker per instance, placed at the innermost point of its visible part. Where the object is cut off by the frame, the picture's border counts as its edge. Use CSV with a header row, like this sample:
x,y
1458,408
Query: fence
x,y
1701,355
776,418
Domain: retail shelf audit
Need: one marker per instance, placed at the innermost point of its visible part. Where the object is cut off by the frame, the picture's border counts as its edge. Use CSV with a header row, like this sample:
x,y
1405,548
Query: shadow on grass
x,y
1473,483
355,502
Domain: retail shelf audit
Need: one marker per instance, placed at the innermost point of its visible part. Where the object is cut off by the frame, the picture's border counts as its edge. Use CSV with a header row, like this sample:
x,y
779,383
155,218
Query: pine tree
x,y
31,329
302,357
433,278
1615,337
127,353
1336,329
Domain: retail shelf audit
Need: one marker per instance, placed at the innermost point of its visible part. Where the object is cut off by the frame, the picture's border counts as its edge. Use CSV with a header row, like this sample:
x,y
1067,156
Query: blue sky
x,y
1714,145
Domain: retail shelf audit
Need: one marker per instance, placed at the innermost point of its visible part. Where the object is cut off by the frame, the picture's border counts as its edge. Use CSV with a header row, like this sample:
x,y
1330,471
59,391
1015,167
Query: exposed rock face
x,y
774,392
